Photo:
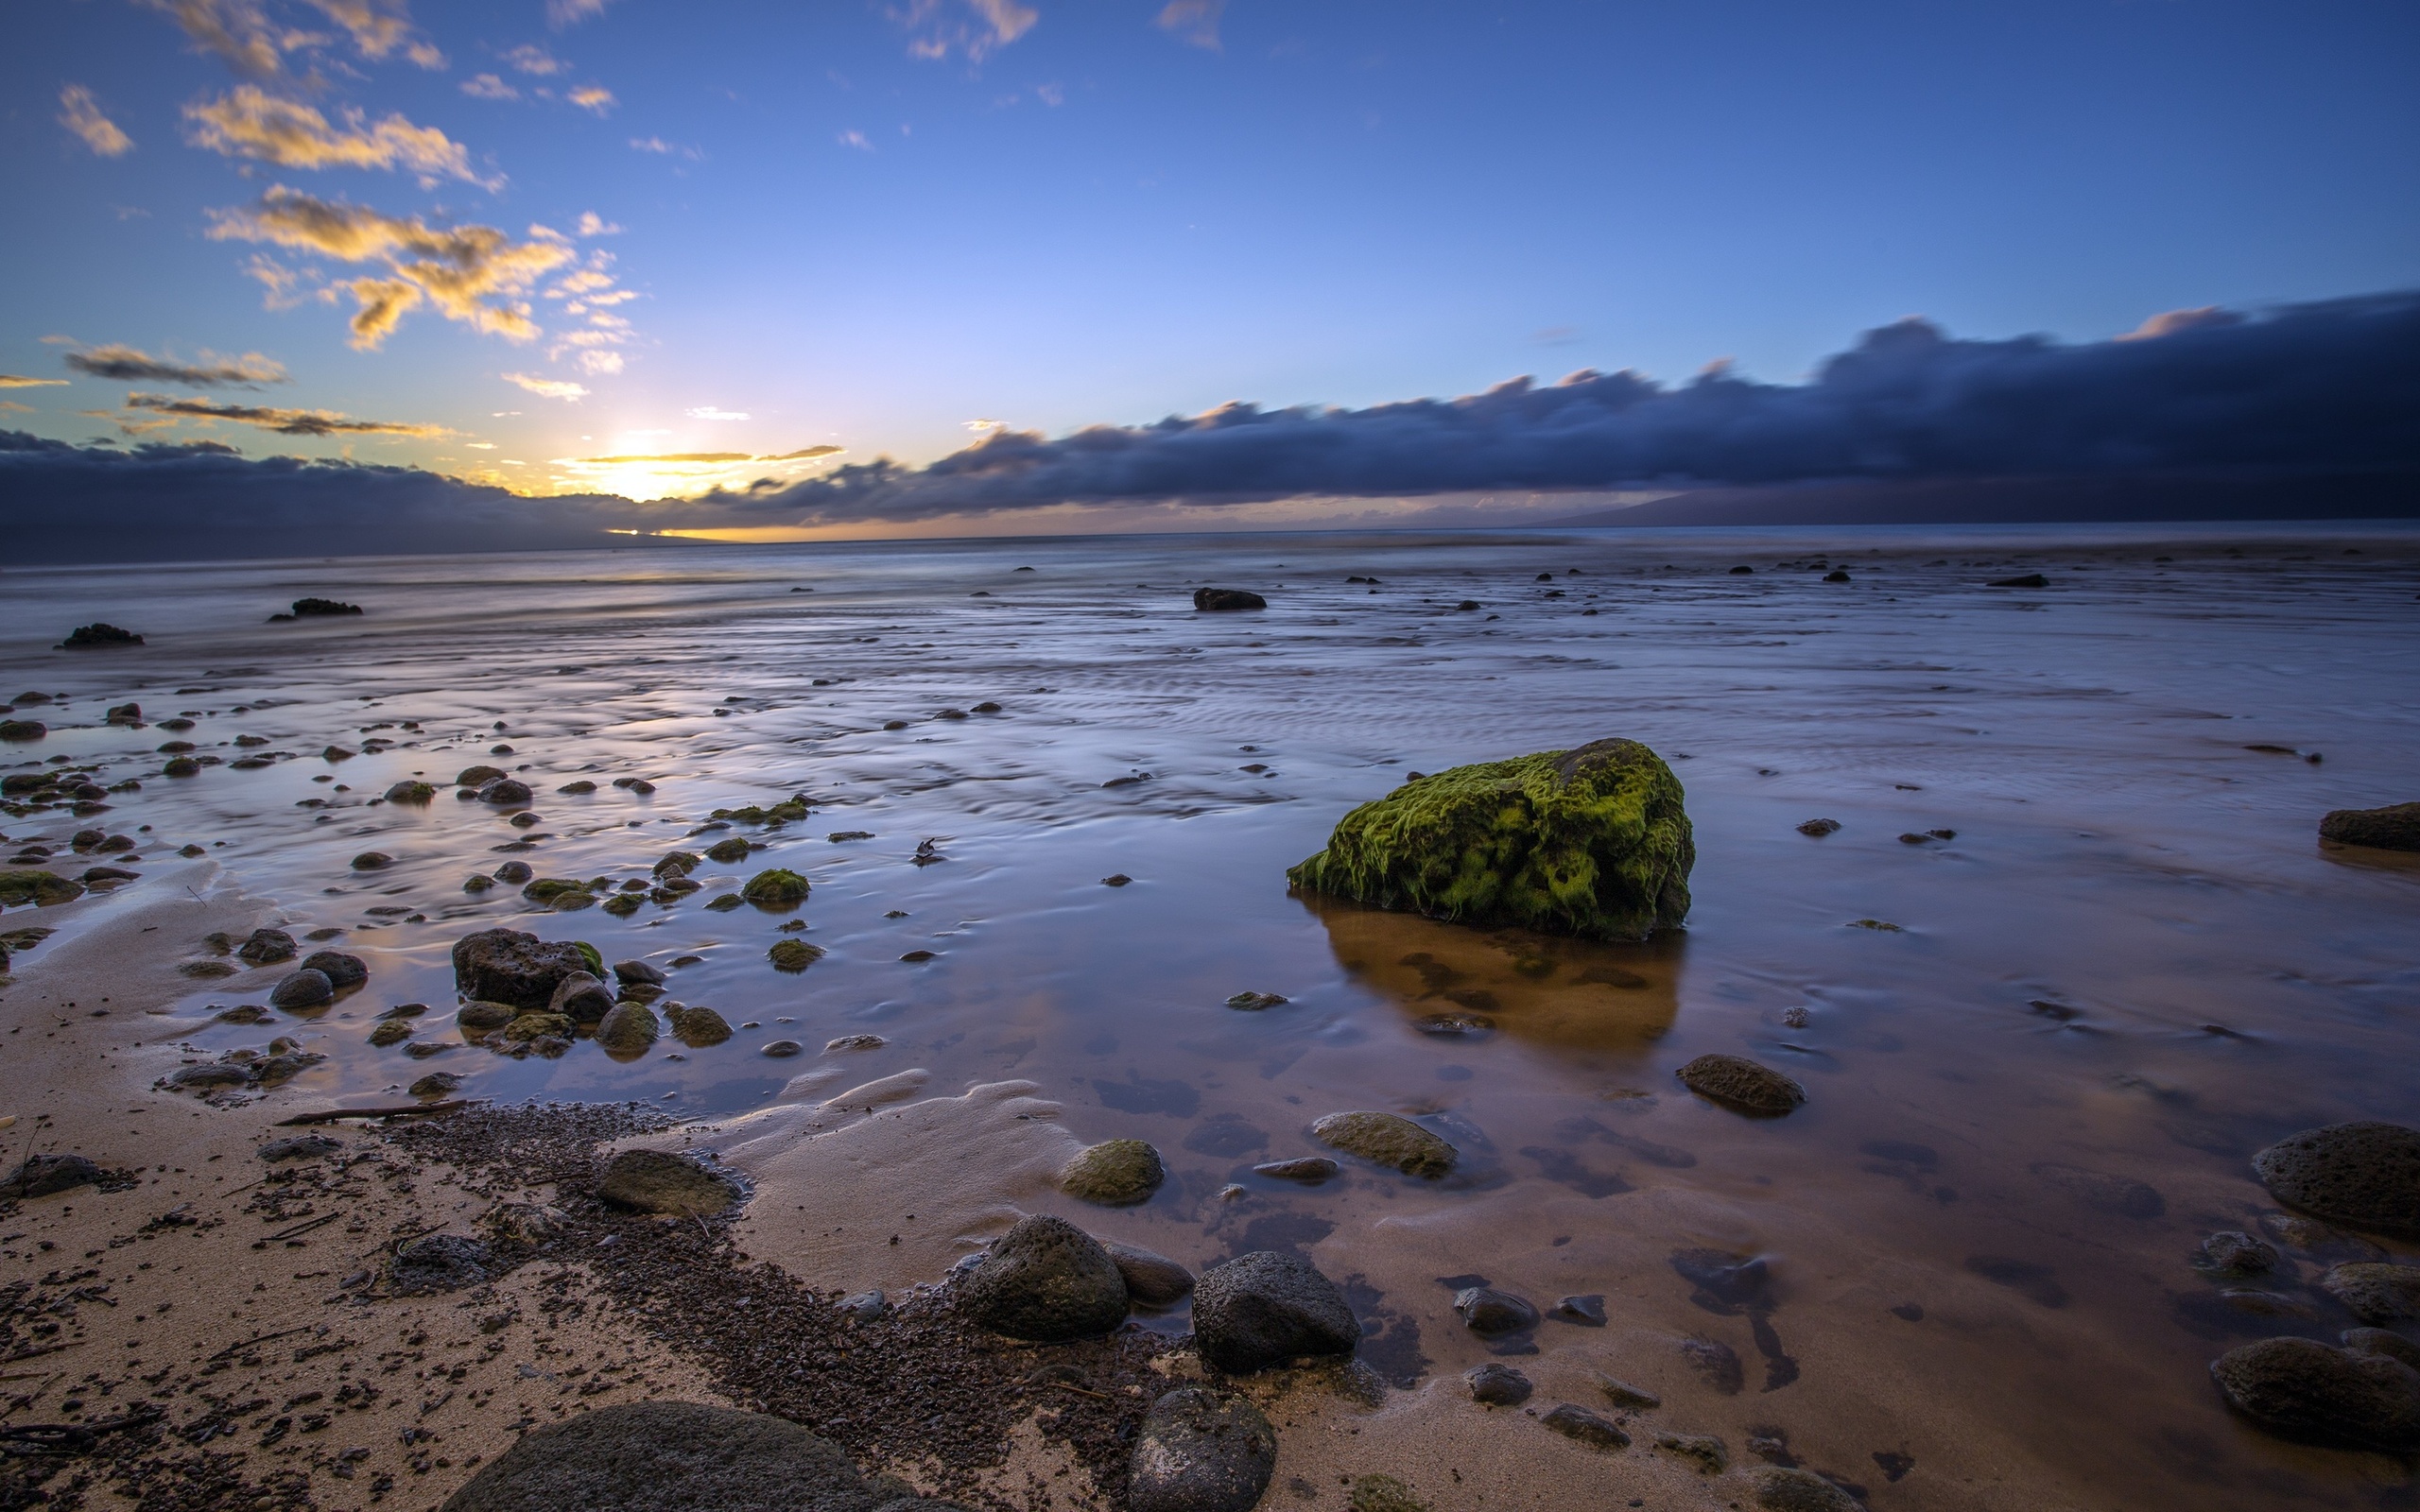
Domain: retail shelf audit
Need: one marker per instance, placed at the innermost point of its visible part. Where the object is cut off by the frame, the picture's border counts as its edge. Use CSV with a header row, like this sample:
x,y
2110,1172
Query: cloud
x,y
972,29
547,387
10,380
474,274
594,98
2169,322
488,87
284,422
662,149
591,223
80,113
709,412
668,456
241,34
856,140
805,455
1195,22
600,364
532,59
564,13
250,123
2304,388
380,30
13,407
123,364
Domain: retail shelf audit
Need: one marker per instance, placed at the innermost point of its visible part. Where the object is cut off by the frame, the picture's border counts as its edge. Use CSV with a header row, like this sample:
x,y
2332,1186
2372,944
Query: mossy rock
x,y
793,955
478,1018
631,1028
1390,1140
678,863
559,892
32,884
726,851
408,791
697,1027
530,1025
622,904
775,888
595,960
181,766
1592,842
1114,1173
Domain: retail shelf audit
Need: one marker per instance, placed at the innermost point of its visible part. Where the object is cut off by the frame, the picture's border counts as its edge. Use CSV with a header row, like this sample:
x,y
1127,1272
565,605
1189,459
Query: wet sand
x,y
2131,963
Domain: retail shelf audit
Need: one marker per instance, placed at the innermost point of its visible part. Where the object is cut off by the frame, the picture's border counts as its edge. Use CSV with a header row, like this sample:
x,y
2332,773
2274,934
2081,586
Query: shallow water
x,y
2131,967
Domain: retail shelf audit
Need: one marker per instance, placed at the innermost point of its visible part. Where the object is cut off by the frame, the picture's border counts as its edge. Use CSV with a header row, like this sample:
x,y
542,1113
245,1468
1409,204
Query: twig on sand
x,y
303,1227
263,1338
332,1115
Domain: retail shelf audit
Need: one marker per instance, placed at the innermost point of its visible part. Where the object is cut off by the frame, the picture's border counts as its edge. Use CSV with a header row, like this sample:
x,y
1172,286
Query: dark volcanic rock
x,y
440,1263
305,989
507,965
1783,1489
1045,1280
1227,598
2375,1293
1266,1308
2397,826
41,1175
1498,1385
86,637
654,1181
266,947
2363,1175
1742,1085
2299,1388
341,971
1197,1452
1151,1279
677,1456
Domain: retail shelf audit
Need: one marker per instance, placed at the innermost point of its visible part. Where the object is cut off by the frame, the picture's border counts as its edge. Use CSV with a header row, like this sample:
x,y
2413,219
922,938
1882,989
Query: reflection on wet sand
x,y
1452,981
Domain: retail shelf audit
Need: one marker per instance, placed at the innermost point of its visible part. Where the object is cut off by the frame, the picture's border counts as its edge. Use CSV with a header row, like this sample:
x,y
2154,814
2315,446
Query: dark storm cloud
x,y
2333,386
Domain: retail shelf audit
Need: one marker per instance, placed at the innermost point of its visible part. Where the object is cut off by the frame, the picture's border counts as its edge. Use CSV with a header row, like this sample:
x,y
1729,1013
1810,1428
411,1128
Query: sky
x,y
526,243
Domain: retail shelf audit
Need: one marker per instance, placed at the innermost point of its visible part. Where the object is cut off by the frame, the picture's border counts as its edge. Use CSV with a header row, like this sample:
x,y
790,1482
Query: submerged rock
x,y
629,1028
305,989
30,884
654,1181
1197,1452
2397,826
266,947
1742,1085
1045,1280
1709,1453
1592,842
2363,1175
2375,1293
1151,1279
793,955
697,1027
483,1018
1114,1173
1227,598
1268,1307
2304,1389
86,637
1390,1140
1487,1311
1781,1488
1308,1169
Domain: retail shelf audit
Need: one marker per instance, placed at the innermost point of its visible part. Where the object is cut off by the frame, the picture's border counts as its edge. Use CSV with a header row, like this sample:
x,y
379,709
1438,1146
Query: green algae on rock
x,y
1592,842
1114,1173
1390,1140
793,955
775,888
32,884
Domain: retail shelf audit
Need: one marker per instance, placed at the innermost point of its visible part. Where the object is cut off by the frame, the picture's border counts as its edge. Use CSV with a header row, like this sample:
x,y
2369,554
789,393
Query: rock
x,y
2397,826
1114,1173
1586,1427
1487,1311
775,889
628,973
2361,1176
847,1044
507,965
2379,1340
697,1027
1742,1085
87,637
655,1181
793,955
476,778
22,730
504,792
1709,1453
436,1083
1783,1489
727,852
1498,1385
411,791
1592,842
864,1306
526,1027
629,1028
1268,1307
439,1263
1716,1361
1820,828
1151,1279
266,947
513,873
1219,599
2375,1293
2025,581
478,881
341,971
2232,1252
391,1032
1309,1169
564,893
581,997
1382,1493
305,989
40,1176
181,766
1622,1394
373,861
673,1455
210,1078
483,1018
30,884
1197,1452
2303,1389
1390,1140
299,1147
1257,1002
1587,1310
1046,1281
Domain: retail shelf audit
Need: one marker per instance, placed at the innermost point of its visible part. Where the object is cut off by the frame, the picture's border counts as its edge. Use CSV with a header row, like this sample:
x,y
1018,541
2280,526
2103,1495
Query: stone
x,y
674,1454
484,1018
1390,1140
864,1307
513,872
1742,1085
2103,1190
40,1176
629,1029
507,965
2022,580
628,973
1592,842
1579,1424
2380,1341
579,788
305,989
526,1027
697,1027
2233,1252
1498,1385
504,792
1781,1488
2361,1175
1588,1311
1267,1307
847,1044
1257,1002
439,1263
476,778
411,791
22,730
98,634
436,1083
299,1147
1198,1452
373,861
1707,1452
775,889
2375,1293
1622,1394
266,947
1817,829
793,955
581,997
210,1078
2397,826
1045,1280
1114,1173
1381,1493
2304,1389
1308,1169
308,608
391,1032
656,1181
727,852
1224,599
341,971
564,893
1486,1311
32,884
1151,1279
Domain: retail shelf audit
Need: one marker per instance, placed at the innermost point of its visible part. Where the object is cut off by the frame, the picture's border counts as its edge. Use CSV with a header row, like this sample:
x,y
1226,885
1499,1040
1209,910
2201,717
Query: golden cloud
x,y
942,30
241,34
80,113
809,454
378,32
532,59
547,387
1195,20
668,456
250,123
283,421
11,380
468,274
593,97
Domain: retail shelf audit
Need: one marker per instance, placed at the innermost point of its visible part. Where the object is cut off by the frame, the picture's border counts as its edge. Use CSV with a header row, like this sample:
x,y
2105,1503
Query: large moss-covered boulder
x,y
1592,842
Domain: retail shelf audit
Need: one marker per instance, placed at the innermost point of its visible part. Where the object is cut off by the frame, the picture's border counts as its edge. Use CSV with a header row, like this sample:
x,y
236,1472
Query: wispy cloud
x,y
250,123
709,412
488,87
123,364
593,224
1195,22
668,456
547,387
971,28
80,113
856,140
662,149
594,98
565,13
241,34
283,421
532,59
13,380
474,274
805,455
378,32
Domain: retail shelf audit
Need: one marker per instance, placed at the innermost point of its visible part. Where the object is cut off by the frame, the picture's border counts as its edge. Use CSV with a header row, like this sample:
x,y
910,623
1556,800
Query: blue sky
x,y
870,225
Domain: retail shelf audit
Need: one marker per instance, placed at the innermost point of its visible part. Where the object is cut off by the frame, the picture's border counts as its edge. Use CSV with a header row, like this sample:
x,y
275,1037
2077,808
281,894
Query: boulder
x,y
1197,1452
40,1176
675,1455
775,889
1268,1307
20,886
697,1027
341,971
1781,1489
2361,1176
266,947
305,989
1592,842
1390,1140
507,965
581,997
1219,599
629,1029
654,1181
2397,826
2304,1389
2375,1293
1742,1085
1045,1280
1497,1386
1151,1279
1114,1173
